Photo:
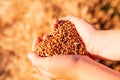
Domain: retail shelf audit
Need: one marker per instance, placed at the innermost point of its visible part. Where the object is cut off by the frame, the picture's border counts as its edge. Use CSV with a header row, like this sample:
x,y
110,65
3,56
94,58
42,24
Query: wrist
x,y
91,45
91,70
106,44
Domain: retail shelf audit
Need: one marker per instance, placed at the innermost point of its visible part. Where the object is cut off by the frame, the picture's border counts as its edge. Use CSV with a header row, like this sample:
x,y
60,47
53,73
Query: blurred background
x,y
22,20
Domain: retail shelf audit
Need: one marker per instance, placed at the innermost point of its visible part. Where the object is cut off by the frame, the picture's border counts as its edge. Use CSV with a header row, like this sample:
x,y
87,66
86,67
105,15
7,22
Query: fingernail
x,y
38,39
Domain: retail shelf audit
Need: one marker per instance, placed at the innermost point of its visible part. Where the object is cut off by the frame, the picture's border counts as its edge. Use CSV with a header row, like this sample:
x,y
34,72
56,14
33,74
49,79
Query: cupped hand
x,y
72,67
102,44
76,67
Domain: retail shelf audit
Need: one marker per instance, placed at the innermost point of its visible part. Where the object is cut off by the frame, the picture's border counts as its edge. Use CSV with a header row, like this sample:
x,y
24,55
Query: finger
x,y
47,74
47,62
85,30
44,73
55,64
55,23
35,42
45,36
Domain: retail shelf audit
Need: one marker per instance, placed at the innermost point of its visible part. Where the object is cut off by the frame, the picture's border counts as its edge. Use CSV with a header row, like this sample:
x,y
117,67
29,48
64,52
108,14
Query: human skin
x,y
76,67
72,68
103,43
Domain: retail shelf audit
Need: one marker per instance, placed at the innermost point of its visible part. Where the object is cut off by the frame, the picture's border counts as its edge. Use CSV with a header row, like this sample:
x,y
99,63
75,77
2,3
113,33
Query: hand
x,y
75,67
72,67
103,44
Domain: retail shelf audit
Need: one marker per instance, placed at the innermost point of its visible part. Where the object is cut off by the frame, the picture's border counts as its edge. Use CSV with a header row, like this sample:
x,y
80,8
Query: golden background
x,y
22,20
